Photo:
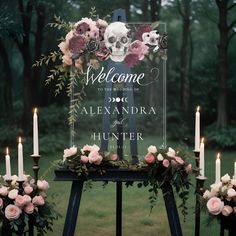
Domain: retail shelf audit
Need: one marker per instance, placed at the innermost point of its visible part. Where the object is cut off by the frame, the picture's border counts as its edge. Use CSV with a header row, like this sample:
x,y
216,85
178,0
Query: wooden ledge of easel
x,y
113,174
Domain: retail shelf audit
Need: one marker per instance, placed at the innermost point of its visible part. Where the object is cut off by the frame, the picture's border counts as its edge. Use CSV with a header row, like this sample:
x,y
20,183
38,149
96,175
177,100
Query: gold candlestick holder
x,y
36,167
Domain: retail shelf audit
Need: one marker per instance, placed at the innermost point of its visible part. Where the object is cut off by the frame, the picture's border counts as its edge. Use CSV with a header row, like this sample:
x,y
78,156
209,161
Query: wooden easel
x,y
116,175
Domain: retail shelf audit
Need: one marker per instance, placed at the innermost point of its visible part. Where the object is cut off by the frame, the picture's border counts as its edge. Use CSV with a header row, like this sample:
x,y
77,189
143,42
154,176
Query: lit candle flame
x,y
198,108
202,140
35,110
7,151
218,155
19,139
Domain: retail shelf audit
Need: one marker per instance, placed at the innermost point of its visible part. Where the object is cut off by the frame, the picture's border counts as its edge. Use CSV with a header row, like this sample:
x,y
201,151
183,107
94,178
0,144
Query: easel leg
x,y
171,210
118,208
73,208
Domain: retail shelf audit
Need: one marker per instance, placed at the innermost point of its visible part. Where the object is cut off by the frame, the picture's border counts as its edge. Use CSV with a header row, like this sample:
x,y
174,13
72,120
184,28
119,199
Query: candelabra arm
x,y
36,166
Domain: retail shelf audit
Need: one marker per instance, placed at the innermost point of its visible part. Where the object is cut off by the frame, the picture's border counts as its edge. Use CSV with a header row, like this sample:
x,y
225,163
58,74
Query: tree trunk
x,y
144,8
184,10
26,15
40,10
7,83
222,64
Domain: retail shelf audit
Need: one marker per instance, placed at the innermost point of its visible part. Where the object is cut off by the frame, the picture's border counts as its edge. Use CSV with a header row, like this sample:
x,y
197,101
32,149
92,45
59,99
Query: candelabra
x,y
199,191
36,166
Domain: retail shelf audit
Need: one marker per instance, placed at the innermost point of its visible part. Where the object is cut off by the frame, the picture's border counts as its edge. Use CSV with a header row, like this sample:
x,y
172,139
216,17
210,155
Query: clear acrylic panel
x,y
146,84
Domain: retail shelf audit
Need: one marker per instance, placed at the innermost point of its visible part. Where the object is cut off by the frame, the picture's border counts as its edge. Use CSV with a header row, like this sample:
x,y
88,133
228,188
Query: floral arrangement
x,y
26,204
163,165
220,200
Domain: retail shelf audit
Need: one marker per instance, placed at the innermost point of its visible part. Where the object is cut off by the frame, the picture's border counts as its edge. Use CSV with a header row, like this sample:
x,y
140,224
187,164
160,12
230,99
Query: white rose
x,y
231,192
206,194
95,148
152,149
171,152
3,191
69,152
233,182
160,157
216,187
209,194
13,194
225,179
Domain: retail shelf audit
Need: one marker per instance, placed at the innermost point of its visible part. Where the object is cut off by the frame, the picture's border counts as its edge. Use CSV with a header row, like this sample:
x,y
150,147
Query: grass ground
x,y
97,211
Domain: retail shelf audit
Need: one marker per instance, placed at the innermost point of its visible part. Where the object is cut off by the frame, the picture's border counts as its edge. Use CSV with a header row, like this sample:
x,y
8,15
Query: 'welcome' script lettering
x,y
112,76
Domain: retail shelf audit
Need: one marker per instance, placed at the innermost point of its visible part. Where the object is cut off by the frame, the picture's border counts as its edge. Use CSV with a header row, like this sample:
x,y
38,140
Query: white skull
x,y
117,40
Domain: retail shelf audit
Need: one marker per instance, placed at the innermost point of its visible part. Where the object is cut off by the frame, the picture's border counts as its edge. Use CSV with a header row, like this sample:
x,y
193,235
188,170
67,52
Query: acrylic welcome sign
x,y
125,102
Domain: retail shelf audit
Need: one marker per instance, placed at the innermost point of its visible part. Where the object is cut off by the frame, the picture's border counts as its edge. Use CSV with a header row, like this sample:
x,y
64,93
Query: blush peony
x,y
29,208
28,189
84,159
95,158
215,206
43,185
38,201
12,212
20,201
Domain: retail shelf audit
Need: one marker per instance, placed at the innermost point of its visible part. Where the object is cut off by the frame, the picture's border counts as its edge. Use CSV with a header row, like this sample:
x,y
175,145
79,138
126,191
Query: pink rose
x,y
215,205
28,189
149,159
12,212
84,159
27,198
103,53
29,209
227,210
188,168
38,201
131,59
165,163
77,44
139,48
69,152
43,185
141,30
20,201
114,157
179,160
92,31
95,158
1,203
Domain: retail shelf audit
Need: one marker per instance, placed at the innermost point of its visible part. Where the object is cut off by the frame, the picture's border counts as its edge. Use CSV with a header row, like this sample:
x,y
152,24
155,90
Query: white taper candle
x,y
20,161
197,130
217,180
202,158
35,134
8,165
